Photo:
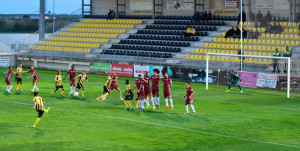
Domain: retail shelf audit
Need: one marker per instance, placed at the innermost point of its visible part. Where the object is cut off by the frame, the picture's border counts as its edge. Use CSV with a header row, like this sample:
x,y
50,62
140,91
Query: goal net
x,y
255,71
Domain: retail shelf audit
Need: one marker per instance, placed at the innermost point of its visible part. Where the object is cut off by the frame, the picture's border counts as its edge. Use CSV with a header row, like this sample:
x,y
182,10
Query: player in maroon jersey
x,y
8,82
114,84
147,91
35,78
167,81
139,85
189,98
155,78
72,78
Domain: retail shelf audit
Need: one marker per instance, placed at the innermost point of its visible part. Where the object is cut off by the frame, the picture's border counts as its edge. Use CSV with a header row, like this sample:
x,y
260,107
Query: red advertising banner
x,y
123,70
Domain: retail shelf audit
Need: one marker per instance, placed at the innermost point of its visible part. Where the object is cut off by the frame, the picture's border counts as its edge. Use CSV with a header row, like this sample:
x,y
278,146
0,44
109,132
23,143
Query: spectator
x,y
269,28
237,33
205,15
259,16
243,17
209,15
251,16
245,33
268,17
287,53
278,28
189,32
299,28
111,14
230,32
196,16
275,61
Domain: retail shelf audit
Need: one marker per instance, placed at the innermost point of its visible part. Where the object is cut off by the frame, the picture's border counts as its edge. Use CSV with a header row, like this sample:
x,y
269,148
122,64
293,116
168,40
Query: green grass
x,y
258,120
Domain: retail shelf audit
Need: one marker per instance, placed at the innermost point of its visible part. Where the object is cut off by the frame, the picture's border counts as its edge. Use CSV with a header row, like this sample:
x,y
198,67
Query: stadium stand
x,y
155,39
264,45
85,36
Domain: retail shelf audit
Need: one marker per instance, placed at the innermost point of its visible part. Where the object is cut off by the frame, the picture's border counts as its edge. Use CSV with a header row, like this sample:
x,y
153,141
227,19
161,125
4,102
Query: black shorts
x,y
19,80
40,113
79,86
59,87
105,90
128,97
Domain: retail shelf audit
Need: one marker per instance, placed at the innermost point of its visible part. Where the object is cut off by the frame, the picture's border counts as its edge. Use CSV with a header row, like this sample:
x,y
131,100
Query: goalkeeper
x,y
234,80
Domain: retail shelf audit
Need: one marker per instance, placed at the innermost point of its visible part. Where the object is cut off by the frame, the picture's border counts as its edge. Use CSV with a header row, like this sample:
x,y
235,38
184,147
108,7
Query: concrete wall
x,y
101,7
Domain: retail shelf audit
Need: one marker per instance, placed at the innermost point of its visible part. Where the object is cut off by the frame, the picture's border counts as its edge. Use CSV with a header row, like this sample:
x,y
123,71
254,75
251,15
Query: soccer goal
x,y
259,70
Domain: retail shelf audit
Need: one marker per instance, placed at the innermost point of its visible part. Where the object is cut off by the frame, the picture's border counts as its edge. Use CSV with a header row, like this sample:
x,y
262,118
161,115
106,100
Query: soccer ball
x,y
75,94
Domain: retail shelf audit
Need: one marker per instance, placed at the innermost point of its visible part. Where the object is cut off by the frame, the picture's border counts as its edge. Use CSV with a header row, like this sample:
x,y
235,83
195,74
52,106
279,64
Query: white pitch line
x,y
175,127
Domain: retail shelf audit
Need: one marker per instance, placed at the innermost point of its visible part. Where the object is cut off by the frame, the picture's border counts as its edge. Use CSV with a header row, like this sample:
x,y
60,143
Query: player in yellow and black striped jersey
x,y
80,80
58,84
128,96
19,79
39,106
106,89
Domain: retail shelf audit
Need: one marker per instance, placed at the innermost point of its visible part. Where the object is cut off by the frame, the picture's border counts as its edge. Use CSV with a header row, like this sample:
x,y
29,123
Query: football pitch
x,y
258,119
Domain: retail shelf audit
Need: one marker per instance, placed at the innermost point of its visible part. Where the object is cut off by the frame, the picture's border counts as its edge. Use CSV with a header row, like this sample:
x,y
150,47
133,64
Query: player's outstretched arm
x,y
66,75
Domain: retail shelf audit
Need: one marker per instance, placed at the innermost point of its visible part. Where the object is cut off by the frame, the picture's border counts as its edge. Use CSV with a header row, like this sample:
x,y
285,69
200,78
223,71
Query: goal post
x,y
236,56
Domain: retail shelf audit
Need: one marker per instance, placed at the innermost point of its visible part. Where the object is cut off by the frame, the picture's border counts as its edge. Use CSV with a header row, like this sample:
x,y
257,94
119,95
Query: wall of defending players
x,y
249,79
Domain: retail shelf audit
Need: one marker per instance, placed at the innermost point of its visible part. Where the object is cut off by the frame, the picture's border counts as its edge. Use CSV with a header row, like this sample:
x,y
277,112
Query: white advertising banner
x,y
180,4
141,6
281,4
264,3
266,80
140,70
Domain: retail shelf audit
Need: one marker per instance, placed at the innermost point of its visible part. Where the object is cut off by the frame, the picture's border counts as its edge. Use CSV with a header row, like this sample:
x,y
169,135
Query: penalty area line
x,y
175,127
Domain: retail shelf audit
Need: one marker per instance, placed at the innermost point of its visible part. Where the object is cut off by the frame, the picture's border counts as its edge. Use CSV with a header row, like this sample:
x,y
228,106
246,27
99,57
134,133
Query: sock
x,y
136,104
9,87
240,88
187,108
52,92
17,87
37,121
193,108
82,93
167,103
105,95
33,88
147,101
171,102
62,92
229,87
152,100
20,85
155,99
158,100
72,91
120,95
71,88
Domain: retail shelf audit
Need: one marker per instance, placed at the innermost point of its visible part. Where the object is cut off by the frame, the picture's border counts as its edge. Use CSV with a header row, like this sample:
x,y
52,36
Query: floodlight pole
x,y
241,22
53,16
42,20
